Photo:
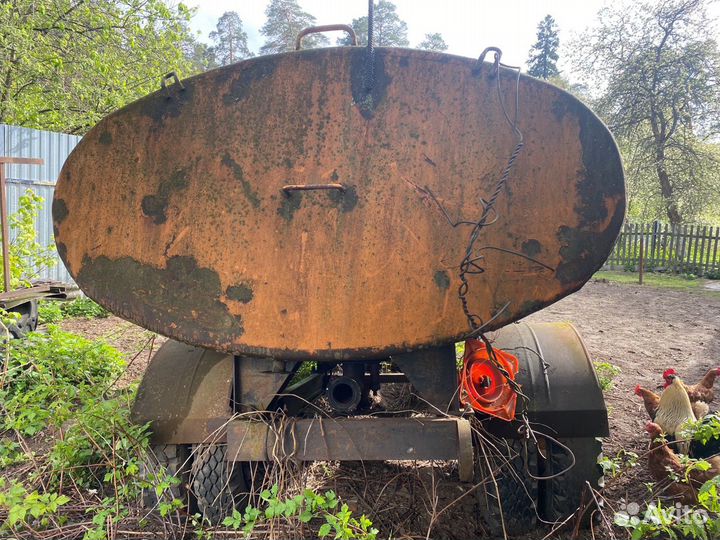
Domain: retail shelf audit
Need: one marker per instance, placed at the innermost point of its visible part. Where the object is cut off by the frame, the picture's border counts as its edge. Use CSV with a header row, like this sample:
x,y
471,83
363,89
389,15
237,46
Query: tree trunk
x,y
666,188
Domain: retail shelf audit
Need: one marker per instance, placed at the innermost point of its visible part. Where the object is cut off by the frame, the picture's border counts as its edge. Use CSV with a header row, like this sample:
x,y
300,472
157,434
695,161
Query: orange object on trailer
x,y
483,385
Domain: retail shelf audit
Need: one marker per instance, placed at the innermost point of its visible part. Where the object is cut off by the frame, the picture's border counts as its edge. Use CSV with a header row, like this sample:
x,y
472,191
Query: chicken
x,y
675,410
650,399
700,394
675,479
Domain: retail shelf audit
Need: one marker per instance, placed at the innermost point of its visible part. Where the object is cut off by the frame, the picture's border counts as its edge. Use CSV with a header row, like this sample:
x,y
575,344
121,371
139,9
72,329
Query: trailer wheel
x,y
28,319
563,495
175,458
218,486
517,491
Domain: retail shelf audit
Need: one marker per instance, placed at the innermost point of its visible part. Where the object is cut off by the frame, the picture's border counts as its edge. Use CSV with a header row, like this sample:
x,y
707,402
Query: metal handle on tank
x,y
309,187
325,28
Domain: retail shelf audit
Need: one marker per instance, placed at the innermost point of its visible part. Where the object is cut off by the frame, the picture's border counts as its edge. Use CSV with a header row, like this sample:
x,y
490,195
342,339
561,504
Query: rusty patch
x,y
368,102
531,247
579,252
242,292
59,210
289,205
442,280
238,173
105,138
155,206
161,296
254,72
347,199
167,106
62,251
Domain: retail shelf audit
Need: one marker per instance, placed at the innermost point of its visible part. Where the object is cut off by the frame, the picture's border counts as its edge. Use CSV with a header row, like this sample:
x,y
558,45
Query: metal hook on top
x,y
164,85
496,64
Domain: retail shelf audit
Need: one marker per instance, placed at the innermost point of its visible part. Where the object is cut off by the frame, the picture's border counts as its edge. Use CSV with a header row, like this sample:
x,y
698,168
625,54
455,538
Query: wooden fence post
x,y
642,256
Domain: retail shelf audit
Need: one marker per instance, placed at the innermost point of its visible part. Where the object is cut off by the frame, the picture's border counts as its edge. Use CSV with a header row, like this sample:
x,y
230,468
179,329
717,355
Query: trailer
x,y
364,209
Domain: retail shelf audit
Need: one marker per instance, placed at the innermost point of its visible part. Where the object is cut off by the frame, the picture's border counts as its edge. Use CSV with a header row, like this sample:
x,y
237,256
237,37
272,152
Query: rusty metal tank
x,y
197,211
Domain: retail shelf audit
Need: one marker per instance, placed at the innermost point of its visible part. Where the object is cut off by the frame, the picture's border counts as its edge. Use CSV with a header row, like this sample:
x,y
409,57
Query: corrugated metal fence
x,y
54,148
691,249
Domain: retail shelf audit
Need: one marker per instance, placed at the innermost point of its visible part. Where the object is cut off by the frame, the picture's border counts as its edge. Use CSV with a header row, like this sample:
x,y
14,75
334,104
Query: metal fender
x,y
557,375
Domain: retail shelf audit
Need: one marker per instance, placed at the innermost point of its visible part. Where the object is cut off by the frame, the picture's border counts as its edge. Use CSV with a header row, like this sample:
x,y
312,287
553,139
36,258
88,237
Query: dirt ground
x,y
642,330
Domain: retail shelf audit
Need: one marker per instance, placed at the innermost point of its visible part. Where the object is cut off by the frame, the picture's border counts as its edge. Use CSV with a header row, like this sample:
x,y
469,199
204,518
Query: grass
x,y
670,281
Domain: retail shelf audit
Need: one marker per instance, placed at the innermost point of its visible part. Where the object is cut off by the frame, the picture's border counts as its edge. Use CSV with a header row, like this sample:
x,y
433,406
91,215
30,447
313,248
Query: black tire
x,y
28,319
175,458
517,490
218,486
562,496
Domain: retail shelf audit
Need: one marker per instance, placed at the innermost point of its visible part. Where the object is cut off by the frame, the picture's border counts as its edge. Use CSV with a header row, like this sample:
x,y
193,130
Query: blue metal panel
x,y
54,149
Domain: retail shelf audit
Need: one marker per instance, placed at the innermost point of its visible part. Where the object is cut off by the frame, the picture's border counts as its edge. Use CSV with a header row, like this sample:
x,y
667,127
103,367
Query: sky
x,y
468,26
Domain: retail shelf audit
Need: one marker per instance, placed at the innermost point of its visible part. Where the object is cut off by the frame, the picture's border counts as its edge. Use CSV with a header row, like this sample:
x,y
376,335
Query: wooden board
x,y
171,212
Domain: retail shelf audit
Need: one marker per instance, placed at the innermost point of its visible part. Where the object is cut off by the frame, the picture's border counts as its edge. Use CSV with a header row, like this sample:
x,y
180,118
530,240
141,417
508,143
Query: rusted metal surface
x,y
170,212
184,394
434,376
259,380
557,375
354,439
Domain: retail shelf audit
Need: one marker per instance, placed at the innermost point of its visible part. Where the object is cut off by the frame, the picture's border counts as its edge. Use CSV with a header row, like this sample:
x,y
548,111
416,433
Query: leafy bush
x,y
338,518
49,311
27,256
606,372
84,307
52,311
47,373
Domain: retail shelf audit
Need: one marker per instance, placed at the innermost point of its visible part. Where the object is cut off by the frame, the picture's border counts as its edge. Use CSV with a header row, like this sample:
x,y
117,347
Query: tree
x,y
433,42
389,30
659,68
230,39
285,20
543,54
65,64
200,55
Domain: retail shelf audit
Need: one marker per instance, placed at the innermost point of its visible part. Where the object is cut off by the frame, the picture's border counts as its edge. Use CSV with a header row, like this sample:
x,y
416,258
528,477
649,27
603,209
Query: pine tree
x,y
230,39
544,55
389,29
200,55
433,42
285,20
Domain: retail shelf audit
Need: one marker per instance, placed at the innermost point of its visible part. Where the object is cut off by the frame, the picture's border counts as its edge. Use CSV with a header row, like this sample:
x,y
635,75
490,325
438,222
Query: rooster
x,y
674,410
700,394
650,399
665,466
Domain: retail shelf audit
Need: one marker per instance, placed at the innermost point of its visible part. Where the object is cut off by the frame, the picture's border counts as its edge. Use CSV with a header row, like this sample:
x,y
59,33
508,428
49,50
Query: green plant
x,y
338,517
48,373
27,256
606,373
713,274
84,307
50,311
23,506
617,465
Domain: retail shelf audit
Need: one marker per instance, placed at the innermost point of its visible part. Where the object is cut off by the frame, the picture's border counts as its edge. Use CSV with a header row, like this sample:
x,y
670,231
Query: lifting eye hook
x,y
481,59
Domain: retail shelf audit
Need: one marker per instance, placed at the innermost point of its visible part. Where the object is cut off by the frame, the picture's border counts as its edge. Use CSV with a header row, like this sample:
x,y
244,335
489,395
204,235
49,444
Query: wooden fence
x,y
683,249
